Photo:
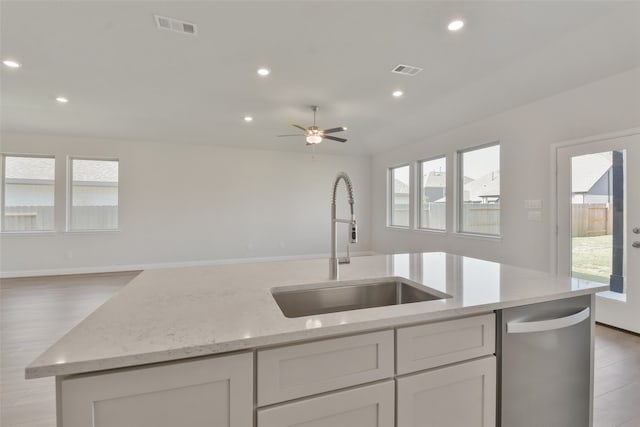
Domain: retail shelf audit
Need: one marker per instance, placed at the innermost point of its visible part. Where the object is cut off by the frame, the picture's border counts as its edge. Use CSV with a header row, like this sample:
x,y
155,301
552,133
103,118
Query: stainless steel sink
x,y
345,296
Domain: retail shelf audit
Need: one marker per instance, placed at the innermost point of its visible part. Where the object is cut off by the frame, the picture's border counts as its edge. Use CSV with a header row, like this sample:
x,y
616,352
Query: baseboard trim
x,y
155,266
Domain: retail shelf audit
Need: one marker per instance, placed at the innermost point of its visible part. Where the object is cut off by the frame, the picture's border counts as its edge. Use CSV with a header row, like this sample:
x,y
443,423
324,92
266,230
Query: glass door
x,y
598,192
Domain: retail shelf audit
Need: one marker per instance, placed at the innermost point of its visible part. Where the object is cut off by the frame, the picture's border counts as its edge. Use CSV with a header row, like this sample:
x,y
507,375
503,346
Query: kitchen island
x,y
210,346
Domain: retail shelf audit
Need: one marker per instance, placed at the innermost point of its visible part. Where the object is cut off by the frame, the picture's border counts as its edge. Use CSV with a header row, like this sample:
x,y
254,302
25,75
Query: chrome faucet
x,y
353,229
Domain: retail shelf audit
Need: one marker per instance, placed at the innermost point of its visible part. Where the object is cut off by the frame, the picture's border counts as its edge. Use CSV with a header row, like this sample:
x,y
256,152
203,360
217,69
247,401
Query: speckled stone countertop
x,y
178,313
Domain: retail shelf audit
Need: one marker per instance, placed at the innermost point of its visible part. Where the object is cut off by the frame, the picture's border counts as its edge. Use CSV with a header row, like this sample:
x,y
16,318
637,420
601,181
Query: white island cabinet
x,y
354,381
211,392
219,352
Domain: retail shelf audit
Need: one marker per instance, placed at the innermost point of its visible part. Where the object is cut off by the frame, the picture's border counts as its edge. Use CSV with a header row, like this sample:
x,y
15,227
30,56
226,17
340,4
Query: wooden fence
x,y
591,220
433,215
477,217
30,218
481,218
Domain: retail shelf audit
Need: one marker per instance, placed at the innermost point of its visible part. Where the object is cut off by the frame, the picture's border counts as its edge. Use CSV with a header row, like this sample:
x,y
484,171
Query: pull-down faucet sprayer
x,y
353,229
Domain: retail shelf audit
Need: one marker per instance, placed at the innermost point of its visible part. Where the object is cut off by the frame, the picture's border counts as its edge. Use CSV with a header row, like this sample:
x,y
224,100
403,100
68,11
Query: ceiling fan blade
x,y
300,127
333,130
292,134
335,138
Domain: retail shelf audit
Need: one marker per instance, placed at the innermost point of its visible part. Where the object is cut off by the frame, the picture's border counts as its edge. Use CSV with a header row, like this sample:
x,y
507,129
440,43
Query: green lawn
x,y
592,257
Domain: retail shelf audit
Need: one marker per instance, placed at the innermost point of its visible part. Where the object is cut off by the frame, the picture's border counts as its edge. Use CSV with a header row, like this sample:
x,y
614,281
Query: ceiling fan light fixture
x,y
455,25
314,139
11,63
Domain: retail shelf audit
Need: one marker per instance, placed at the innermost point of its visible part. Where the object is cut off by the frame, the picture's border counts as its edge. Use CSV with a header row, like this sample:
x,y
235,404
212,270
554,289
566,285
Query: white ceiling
x,y
128,80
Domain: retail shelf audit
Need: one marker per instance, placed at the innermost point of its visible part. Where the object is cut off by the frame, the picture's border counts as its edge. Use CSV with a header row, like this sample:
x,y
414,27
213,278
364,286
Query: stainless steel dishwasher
x,y
546,364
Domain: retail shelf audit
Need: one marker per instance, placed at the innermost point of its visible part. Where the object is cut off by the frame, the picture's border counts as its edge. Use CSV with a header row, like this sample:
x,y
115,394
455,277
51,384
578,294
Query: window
x,y
27,193
433,184
399,200
93,203
479,184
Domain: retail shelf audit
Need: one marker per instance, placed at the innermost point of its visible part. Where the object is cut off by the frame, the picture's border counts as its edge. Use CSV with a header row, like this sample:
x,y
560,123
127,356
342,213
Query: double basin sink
x,y
322,298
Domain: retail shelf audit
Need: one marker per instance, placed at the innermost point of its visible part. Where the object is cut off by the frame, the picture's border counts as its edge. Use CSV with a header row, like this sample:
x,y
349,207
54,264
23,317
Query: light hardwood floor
x,y
35,312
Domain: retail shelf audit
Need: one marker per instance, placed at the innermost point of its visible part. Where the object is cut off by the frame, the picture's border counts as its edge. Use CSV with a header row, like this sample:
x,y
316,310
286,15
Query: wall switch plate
x,y
533,204
534,215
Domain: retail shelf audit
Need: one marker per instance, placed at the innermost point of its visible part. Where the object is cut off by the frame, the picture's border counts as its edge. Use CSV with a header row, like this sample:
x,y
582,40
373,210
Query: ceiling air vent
x,y
406,70
171,24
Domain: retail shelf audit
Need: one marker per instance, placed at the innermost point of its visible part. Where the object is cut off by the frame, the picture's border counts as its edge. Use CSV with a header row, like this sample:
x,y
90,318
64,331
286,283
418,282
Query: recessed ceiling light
x,y
11,63
397,93
62,100
455,25
264,71
248,119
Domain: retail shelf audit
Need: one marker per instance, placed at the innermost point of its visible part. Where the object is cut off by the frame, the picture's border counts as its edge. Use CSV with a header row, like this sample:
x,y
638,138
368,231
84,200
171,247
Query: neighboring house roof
x,y
32,168
486,186
490,189
43,169
400,187
95,171
587,170
436,179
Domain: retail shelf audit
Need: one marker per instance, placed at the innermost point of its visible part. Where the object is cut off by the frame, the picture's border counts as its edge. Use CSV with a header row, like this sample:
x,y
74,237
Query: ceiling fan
x,y
314,135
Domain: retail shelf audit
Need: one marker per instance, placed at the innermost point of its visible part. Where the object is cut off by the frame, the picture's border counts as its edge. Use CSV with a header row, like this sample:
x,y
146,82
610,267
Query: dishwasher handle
x,y
548,325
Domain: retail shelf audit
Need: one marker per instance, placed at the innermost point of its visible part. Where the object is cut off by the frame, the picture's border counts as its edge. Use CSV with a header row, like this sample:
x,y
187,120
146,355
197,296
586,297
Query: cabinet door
x,y
366,406
213,392
455,396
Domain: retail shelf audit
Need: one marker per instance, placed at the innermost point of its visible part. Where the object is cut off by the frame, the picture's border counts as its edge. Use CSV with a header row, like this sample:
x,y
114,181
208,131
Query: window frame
x,y
459,196
69,194
420,189
390,188
3,157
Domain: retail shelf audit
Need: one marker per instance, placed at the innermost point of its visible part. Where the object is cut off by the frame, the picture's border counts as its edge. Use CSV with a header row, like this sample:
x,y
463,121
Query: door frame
x,y
553,182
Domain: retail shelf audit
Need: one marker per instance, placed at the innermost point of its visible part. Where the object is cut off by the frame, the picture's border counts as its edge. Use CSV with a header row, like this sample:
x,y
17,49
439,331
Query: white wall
x,y
525,135
182,203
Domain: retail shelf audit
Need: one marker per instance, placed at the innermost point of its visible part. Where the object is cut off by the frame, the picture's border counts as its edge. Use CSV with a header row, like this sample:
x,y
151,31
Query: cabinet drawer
x,y
436,344
366,406
301,370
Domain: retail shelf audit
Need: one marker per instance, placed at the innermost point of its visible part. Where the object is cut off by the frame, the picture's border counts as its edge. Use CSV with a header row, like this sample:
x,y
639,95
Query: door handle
x,y
548,325
636,244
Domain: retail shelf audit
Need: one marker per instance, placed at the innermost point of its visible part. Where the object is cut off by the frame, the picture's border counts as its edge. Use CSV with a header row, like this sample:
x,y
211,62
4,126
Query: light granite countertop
x,y
179,313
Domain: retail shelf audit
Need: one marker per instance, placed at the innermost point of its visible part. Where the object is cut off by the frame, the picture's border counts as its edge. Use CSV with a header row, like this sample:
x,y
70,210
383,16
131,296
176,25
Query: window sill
x,y
496,237
29,233
398,227
615,296
75,232
431,230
